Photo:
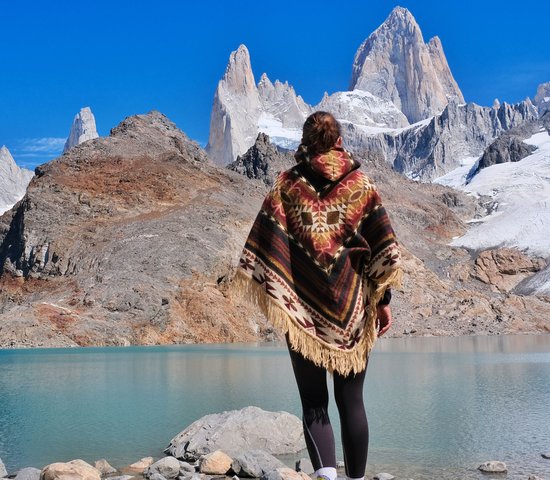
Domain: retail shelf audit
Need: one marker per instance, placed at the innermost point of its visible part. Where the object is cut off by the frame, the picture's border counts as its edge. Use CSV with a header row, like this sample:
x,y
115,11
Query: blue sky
x,y
127,57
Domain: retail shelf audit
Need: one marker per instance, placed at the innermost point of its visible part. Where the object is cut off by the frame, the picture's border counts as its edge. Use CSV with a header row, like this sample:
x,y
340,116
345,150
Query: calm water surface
x,y
437,407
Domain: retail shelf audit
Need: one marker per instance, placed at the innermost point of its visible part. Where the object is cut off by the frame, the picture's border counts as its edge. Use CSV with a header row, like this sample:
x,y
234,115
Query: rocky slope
x,y
13,180
82,129
127,240
133,239
395,64
542,98
433,147
448,290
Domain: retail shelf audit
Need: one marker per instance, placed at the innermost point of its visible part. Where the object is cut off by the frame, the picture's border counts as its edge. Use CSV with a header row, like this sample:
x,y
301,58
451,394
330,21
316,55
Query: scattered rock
x,y
239,431
285,473
216,463
493,466
156,476
104,467
383,476
255,463
3,471
533,477
186,468
140,466
543,455
168,467
29,473
73,470
304,465
122,477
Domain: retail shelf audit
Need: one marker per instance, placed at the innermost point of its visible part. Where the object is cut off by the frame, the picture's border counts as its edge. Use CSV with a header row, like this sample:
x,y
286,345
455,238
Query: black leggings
x,y
348,393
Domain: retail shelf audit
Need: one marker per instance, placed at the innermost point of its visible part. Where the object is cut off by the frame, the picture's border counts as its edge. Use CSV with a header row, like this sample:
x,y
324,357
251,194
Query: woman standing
x,y
319,261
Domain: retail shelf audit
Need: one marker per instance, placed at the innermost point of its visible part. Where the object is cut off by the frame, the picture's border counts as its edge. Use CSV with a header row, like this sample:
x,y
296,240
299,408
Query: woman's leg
x,y
348,393
312,385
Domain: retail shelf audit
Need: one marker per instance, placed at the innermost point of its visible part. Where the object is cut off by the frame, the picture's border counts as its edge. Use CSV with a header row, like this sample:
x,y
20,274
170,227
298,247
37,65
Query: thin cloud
x,y
44,145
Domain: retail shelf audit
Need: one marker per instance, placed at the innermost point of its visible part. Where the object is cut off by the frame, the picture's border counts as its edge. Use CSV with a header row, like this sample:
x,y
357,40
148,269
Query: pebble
x,y
383,476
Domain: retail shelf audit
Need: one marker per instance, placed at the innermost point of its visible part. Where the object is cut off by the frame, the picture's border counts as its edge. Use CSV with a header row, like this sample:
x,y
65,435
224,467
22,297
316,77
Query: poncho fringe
x,y
333,359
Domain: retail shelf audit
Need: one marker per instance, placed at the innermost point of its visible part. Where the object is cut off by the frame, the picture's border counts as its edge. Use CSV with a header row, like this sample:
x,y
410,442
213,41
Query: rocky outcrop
x,y
395,64
506,148
542,98
239,431
433,147
241,109
118,241
503,268
13,180
262,161
82,129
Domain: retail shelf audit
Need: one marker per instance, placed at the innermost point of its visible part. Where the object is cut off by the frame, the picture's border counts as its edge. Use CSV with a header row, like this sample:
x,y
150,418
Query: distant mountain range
x,y
403,105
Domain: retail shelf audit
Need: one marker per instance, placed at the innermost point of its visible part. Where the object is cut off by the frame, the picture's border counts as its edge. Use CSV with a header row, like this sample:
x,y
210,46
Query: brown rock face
x,y
504,268
126,240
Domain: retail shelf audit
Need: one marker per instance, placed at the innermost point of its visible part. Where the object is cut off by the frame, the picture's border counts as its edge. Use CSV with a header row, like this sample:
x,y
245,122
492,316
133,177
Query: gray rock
x,y
156,476
255,463
340,464
383,476
533,477
239,431
29,473
542,98
493,466
304,465
506,148
3,471
121,477
545,455
168,467
103,466
262,161
186,468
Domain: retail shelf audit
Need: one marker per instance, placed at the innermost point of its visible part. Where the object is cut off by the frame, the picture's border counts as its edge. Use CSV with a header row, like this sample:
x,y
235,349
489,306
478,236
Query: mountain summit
x,y
395,64
83,128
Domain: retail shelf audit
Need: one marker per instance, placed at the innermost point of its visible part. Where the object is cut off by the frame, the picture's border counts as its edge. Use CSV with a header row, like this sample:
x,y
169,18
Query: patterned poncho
x,y
318,259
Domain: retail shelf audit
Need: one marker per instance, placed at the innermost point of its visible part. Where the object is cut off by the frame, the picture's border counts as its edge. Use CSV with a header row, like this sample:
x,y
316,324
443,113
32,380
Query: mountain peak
x,y
238,75
395,64
82,129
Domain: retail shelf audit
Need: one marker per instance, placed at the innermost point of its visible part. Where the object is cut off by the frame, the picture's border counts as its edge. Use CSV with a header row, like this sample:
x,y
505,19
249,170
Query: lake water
x,y
437,407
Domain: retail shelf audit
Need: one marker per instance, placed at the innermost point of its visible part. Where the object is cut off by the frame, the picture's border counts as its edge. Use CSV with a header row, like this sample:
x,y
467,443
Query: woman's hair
x,y
320,133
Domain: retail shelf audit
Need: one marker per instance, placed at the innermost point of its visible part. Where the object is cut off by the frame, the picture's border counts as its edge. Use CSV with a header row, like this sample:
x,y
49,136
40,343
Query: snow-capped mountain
x,y
395,64
13,180
82,129
520,206
241,109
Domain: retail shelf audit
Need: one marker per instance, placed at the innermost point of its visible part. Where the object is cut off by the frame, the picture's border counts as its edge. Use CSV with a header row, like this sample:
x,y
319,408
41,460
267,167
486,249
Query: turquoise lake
x,y
437,407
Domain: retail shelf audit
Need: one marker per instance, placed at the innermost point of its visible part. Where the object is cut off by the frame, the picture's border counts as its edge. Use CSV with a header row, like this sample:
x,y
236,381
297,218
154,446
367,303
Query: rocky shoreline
x,y
229,445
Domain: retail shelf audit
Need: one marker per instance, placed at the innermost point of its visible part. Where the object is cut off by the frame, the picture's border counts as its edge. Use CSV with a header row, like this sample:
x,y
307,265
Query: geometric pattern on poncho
x,y
317,250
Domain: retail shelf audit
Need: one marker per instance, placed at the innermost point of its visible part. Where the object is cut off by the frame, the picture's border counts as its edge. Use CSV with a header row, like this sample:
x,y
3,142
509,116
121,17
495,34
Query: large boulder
x,y
73,470
238,431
